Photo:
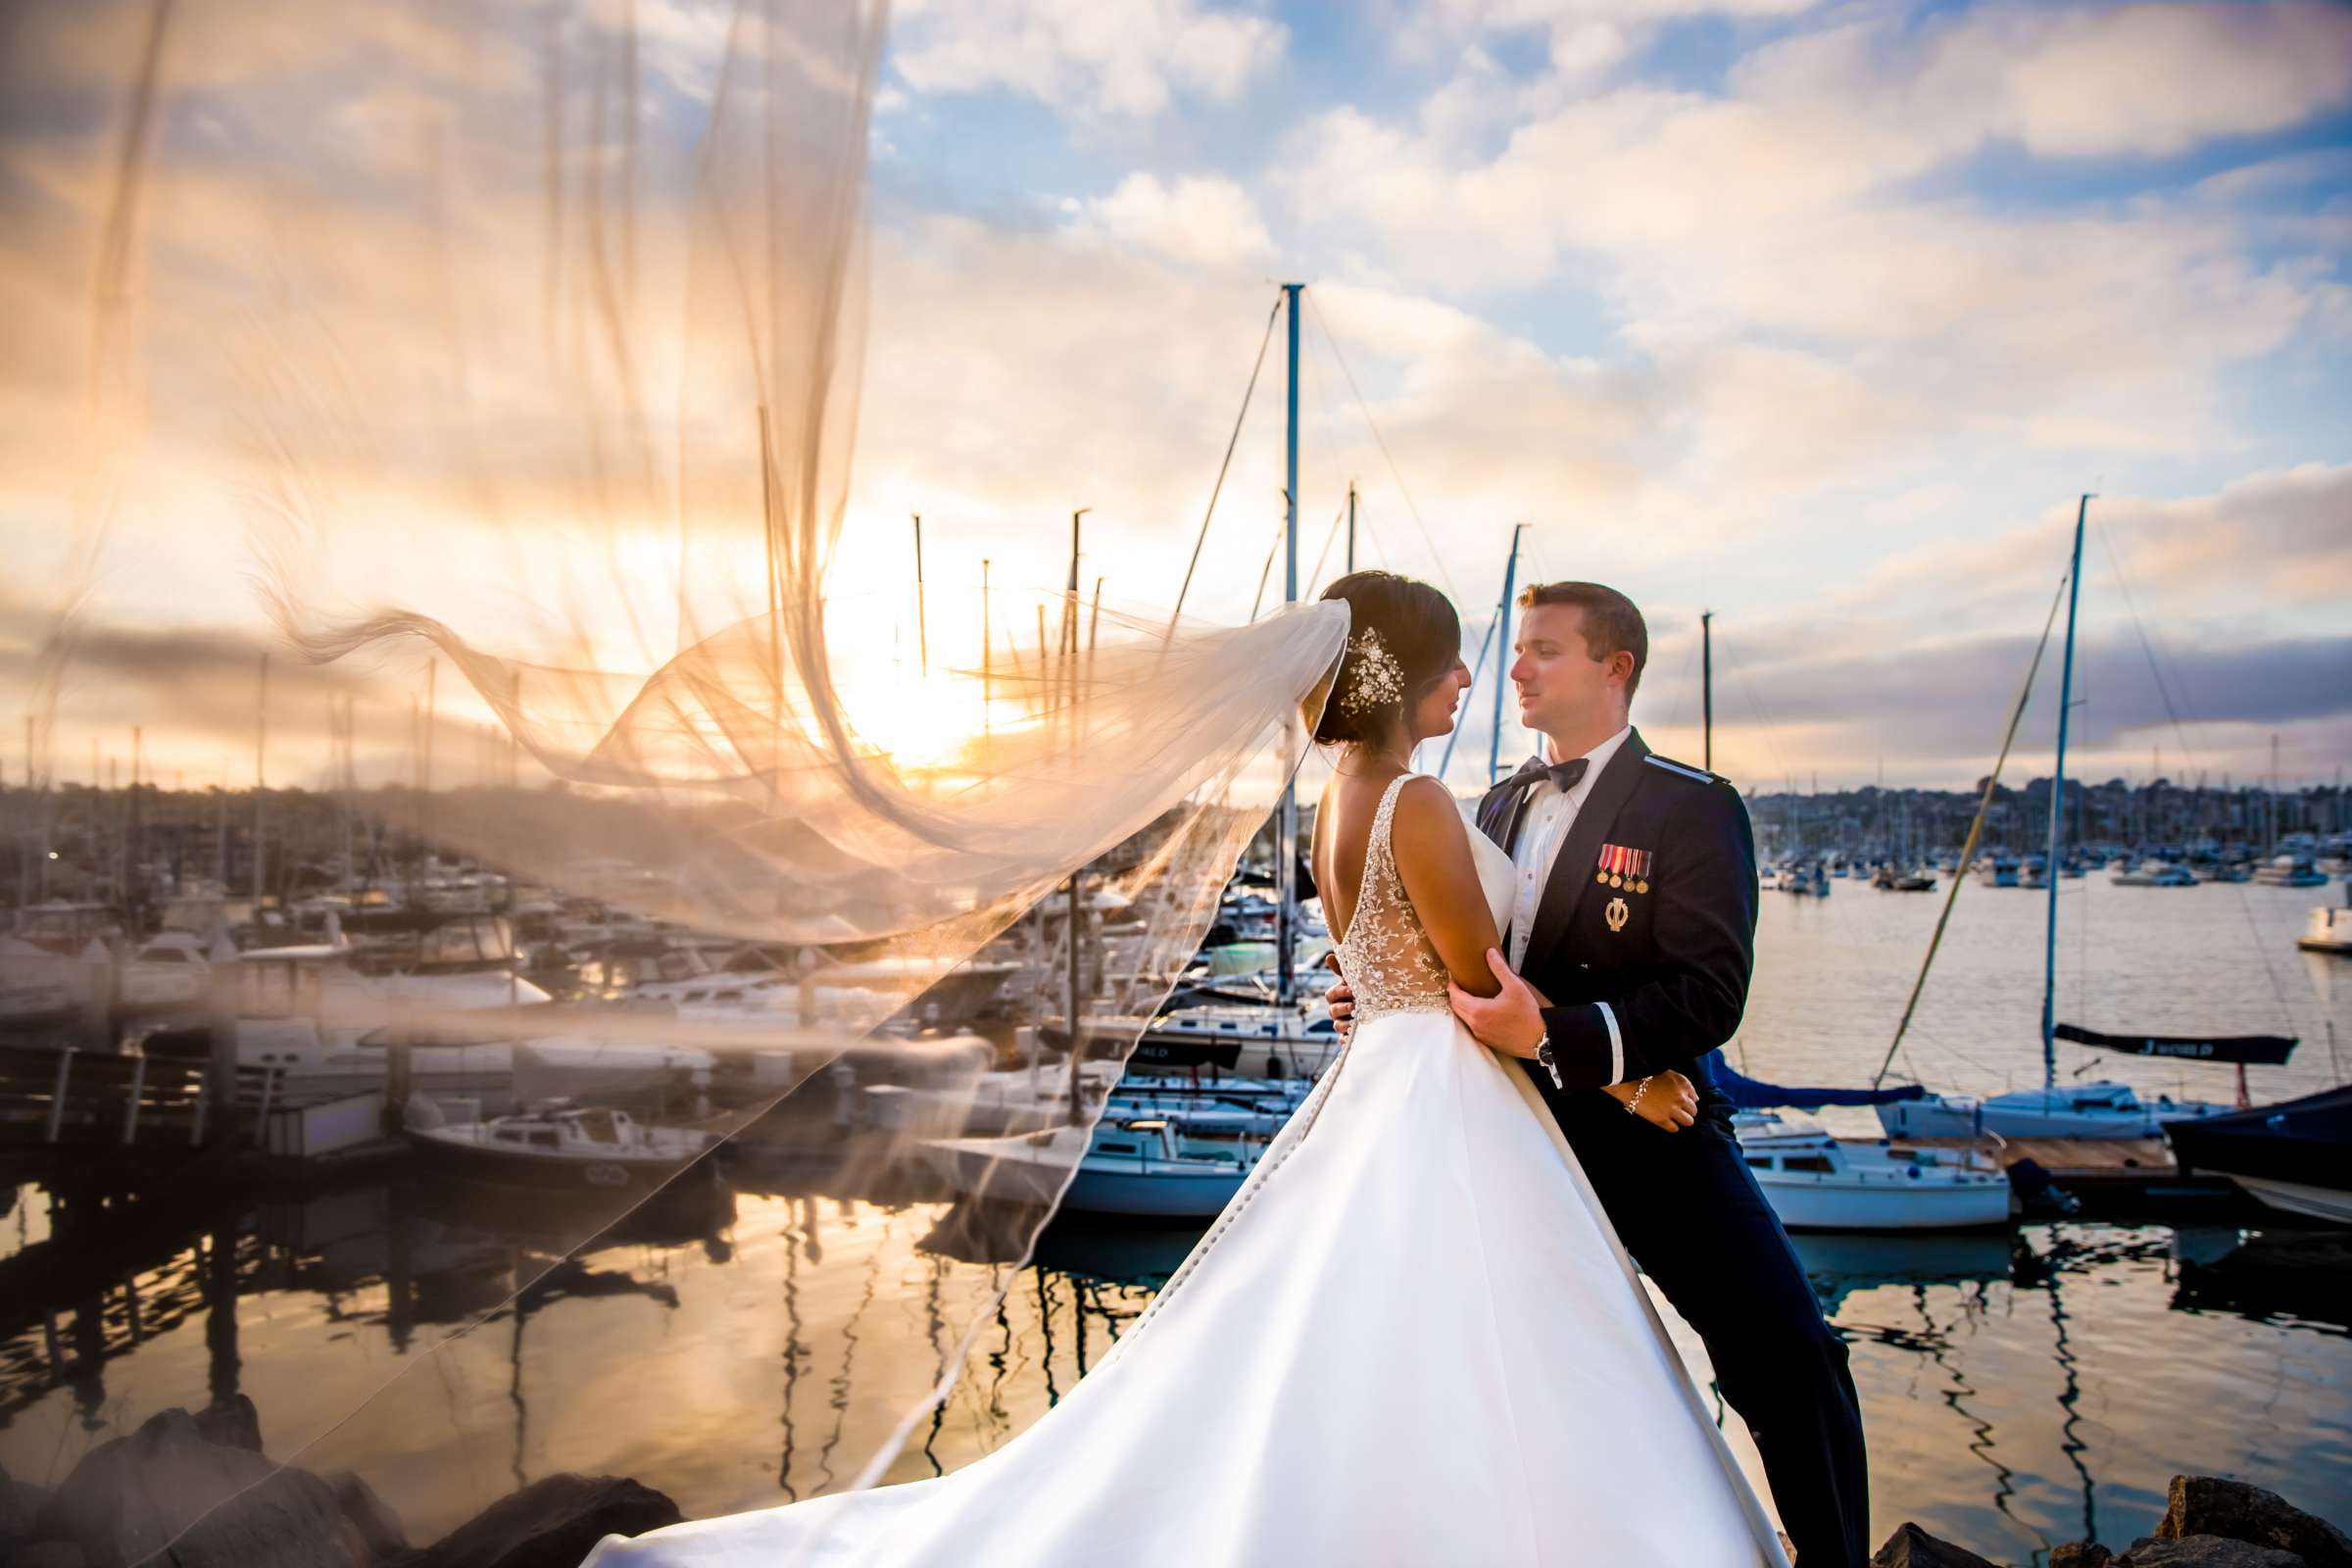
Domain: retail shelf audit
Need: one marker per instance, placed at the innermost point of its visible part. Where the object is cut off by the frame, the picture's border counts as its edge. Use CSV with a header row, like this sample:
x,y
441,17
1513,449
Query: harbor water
x,y
2020,1388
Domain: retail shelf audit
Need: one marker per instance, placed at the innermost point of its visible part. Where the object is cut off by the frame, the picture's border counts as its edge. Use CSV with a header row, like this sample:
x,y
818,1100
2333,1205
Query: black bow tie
x,y
1563,775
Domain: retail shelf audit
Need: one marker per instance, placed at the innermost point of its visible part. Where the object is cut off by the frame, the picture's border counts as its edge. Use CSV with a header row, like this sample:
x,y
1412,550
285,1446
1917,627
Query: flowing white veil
x,y
527,337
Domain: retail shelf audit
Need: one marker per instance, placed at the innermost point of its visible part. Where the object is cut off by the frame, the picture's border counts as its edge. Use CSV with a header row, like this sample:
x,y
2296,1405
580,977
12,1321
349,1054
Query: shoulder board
x,y
1696,774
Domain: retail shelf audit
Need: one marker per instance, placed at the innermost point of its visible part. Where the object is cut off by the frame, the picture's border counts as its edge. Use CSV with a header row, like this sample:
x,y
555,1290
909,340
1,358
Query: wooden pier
x,y
2105,1173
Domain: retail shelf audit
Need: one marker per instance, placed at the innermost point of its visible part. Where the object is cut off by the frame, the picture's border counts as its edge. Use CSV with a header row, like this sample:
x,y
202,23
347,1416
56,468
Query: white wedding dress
x,y
1411,1338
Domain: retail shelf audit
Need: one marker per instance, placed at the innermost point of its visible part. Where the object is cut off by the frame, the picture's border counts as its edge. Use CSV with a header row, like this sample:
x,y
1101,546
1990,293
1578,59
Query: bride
x,y
1412,1337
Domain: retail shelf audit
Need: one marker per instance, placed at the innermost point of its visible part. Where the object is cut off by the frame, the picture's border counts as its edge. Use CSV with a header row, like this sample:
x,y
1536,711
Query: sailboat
x,y
2103,1108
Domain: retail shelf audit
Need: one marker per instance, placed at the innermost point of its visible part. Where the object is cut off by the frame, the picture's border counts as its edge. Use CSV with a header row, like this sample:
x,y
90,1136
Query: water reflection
x,y
2020,1390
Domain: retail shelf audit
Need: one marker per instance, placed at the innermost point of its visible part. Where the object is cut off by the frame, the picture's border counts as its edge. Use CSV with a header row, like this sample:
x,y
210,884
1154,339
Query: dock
x,y
2107,1174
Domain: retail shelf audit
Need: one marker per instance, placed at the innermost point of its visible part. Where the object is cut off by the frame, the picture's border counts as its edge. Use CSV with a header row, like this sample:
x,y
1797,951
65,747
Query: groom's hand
x,y
1511,1022
1340,998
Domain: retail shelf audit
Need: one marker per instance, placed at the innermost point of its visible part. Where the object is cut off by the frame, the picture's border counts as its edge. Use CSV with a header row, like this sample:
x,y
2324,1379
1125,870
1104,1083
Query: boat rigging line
x,y
1975,830
2189,752
1225,466
1436,556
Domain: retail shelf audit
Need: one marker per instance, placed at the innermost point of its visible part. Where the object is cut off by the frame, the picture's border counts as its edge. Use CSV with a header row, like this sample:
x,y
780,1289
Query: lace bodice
x,y
1385,956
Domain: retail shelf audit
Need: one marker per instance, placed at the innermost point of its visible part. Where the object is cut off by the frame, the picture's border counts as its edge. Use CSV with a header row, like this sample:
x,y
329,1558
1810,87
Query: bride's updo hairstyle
x,y
1403,635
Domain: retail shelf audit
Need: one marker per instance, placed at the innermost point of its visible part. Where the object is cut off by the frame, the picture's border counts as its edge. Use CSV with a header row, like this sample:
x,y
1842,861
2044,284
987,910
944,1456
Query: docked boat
x,y
559,1147
1996,871
2329,929
2296,1157
2102,1109
2155,874
169,970
1287,1042
1220,1107
1806,881
2290,871
35,984
1889,880
319,1030
1817,1182
1146,1168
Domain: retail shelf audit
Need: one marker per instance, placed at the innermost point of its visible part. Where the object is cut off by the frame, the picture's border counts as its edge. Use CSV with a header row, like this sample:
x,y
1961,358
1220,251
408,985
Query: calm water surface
x,y
2020,1390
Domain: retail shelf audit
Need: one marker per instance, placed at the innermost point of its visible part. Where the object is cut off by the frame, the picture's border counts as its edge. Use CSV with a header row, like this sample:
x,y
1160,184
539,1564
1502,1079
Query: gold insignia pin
x,y
1617,914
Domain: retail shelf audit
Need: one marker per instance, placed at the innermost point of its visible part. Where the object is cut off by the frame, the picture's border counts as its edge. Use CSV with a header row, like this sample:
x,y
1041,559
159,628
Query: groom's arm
x,y
1703,927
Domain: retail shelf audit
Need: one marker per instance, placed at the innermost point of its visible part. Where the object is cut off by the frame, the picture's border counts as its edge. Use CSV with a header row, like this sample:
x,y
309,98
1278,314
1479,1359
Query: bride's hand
x,y
1666,1100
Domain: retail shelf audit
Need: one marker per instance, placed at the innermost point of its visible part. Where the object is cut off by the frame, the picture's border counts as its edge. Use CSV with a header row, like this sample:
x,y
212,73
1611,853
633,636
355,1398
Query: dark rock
x,y
2207,1505
232,1423
1913,1547
2080,1554
215,1506
379,1528
2204,1552
552,1524
49,1554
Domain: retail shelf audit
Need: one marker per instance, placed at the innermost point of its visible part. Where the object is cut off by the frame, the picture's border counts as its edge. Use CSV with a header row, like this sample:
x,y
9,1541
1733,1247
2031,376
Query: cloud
x,y
2160,78
1200,221
1129,59
1826,317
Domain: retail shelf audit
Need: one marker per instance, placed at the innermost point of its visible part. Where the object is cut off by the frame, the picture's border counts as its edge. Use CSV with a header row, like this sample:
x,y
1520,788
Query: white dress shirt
x,y
1543,826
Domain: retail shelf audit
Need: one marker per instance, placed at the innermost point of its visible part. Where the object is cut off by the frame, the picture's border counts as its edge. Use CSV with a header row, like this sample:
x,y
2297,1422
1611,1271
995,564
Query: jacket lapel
x,y
1572,871
1498,815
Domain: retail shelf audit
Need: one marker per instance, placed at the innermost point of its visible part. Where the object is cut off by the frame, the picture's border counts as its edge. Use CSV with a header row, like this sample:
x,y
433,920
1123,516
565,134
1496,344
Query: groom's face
x,y
1562,688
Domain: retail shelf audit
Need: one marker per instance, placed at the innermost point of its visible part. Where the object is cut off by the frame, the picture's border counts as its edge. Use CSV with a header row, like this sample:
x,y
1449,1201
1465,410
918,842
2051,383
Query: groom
x,y
1634,929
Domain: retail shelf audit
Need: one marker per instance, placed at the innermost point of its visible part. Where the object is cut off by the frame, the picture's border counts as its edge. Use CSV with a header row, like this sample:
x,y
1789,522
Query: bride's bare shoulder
x,y
1428,820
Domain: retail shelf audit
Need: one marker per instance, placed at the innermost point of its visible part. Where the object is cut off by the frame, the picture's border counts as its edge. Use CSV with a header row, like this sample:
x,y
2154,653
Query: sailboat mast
x,y
2066,705
1351,528
1502,651
1286,843
1706,689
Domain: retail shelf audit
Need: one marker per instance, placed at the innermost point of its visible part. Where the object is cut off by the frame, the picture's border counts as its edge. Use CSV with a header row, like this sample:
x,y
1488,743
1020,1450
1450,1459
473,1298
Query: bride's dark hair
x,y
1414,624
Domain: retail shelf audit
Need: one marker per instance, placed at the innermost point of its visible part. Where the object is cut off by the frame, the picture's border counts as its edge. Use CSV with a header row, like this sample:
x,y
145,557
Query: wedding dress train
x,y
1412,1338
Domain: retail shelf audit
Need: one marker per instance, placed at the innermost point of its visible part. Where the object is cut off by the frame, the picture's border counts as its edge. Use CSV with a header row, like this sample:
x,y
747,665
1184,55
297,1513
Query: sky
x,y
1818,316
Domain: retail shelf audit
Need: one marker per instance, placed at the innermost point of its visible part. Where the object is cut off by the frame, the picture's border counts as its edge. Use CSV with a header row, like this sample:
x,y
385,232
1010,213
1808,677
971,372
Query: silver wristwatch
x,y
1550,1063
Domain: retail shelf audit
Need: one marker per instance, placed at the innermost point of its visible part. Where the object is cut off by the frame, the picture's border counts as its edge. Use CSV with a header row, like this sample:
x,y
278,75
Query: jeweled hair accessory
x,y
1374,679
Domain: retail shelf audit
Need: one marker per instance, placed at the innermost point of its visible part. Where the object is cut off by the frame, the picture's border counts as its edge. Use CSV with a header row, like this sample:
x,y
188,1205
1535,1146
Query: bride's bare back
x,y
1432,848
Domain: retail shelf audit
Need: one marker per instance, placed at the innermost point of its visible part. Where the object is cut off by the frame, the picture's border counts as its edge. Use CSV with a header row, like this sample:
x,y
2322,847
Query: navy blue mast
x,y
2065,706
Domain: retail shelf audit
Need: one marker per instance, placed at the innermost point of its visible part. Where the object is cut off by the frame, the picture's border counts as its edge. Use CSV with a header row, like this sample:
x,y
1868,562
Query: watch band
x,y
1550,1063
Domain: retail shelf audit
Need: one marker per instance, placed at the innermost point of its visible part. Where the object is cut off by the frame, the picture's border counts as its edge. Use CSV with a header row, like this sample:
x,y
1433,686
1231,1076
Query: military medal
x,y
1620,868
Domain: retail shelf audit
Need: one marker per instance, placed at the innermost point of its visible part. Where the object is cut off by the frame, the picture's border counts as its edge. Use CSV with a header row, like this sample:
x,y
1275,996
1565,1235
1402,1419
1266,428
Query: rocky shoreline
x,y
2208,1523
196,1492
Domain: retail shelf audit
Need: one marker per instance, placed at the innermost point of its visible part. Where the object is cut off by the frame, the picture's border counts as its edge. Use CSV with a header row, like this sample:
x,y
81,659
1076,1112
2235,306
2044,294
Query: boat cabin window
x,y
1819,1165
597,1126
1760,1162
545,1138
164,955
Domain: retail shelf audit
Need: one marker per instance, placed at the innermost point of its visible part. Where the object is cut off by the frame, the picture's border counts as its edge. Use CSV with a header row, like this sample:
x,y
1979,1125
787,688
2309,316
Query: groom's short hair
x,y
1611,620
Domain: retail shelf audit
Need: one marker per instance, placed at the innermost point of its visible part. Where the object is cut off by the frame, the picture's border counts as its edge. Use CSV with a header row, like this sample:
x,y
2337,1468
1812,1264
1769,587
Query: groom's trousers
x,y
1694,1217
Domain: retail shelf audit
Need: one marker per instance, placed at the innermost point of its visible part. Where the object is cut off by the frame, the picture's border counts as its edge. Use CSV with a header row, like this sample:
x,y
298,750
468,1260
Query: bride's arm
x,y
1433,857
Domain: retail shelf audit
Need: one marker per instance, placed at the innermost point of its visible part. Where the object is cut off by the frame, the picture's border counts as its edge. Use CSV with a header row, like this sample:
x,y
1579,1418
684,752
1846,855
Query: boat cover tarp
x,y
2253,1051
1749,1093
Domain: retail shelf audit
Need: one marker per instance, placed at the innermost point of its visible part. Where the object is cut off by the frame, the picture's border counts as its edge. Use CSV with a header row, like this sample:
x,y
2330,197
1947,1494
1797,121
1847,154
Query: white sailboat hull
x,y
1836,1203
2035,1114
1032,1169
